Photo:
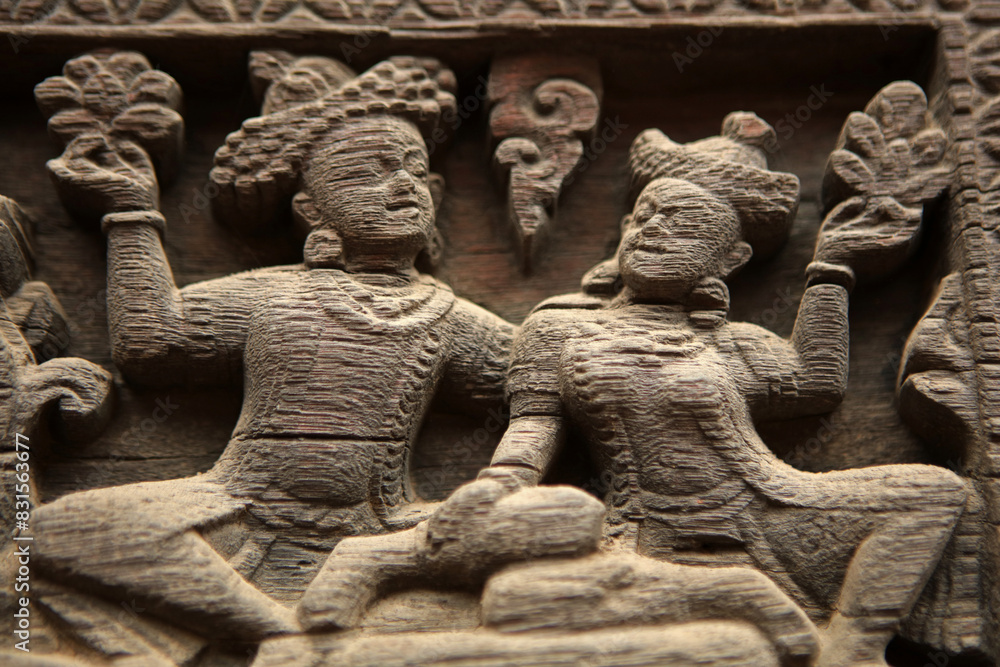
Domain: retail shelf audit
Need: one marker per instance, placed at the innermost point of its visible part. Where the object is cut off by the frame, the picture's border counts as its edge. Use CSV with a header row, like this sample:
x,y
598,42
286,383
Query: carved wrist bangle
x,y
818,273
154,218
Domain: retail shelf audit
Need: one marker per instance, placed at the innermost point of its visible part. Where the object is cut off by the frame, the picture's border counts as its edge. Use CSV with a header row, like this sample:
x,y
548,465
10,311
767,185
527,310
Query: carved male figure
x,y
339,356
665,391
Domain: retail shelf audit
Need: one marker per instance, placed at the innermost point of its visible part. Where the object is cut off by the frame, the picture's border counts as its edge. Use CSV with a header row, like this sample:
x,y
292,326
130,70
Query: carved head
x,y
703,209
355,159
678,234
368,191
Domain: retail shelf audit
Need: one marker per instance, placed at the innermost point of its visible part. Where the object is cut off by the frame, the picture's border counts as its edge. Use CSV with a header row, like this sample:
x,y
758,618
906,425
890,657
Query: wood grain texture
x,y
712,413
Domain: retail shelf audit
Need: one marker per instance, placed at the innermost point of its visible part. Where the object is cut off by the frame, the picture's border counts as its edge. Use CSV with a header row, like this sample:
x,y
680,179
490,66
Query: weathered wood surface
x,y
651,81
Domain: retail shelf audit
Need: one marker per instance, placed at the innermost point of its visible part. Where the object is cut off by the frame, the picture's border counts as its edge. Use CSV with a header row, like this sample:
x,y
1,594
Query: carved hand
x,y
107,177
861,238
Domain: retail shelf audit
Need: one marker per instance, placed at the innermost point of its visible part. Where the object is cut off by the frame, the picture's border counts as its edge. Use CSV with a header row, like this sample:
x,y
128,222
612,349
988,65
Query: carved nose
x,y
402,180
656,227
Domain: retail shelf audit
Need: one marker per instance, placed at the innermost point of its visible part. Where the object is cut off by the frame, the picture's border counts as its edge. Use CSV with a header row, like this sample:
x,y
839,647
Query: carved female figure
x,y
665,390
339,356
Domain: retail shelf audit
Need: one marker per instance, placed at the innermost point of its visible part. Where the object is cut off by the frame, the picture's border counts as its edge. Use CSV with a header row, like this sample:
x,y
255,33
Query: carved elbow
x,y
141,362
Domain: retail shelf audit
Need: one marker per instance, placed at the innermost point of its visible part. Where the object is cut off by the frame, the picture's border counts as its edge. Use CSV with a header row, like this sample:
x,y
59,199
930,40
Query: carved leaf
x,y
148,124
155,86
443,9
848,175
332,10
66,125
56,94
216,11
103,11
273,10
900,109
28,11
154,10
861,135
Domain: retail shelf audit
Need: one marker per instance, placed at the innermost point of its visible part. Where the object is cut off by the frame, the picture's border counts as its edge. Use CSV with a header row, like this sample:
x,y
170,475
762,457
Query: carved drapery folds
x,y
544,109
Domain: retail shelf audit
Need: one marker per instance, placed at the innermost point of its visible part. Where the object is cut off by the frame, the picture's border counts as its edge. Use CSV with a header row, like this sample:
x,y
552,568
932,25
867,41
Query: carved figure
x,y
665,390
33,333
339,356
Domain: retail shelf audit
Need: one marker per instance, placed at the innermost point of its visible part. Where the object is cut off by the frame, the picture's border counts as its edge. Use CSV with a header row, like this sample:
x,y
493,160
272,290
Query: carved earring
x,y
429,257
709,303
323,247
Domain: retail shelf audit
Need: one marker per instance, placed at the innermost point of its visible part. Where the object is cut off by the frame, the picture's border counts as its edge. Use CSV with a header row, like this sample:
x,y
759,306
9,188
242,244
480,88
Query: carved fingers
x,y
106,176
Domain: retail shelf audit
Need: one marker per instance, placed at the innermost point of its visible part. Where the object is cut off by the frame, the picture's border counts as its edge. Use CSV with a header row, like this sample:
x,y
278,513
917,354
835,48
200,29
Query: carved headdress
x,y
307,101
733,167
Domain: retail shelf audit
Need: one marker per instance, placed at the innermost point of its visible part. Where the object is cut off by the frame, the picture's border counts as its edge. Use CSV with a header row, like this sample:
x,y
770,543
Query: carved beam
x,y
543,108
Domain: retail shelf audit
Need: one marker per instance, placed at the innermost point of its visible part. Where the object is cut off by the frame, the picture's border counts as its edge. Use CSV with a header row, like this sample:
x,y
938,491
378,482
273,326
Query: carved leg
x,y
612,589
892,523
476,531
884,579
353,575
139,542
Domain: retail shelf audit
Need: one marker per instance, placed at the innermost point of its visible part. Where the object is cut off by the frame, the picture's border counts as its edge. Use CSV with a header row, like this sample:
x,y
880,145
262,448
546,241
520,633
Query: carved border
x,y
450,13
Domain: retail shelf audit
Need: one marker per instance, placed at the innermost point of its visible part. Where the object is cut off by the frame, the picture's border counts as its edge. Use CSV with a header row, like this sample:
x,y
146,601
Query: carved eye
x,y
642,215
416,164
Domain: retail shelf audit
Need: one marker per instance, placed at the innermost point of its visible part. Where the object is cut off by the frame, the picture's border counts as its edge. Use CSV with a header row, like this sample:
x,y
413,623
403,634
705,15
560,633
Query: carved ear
x,y
429,257
305,213
435,183
736,258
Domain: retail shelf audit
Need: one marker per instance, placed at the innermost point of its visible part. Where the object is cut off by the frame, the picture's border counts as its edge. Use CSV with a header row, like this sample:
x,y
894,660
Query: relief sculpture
x,y
613,479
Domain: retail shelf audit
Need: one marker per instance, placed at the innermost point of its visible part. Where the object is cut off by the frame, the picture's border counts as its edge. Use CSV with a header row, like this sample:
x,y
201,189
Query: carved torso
x,y
306,347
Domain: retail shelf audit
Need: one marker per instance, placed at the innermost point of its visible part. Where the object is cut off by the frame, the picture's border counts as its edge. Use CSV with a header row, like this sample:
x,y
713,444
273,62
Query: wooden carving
x,y
544,110
303,366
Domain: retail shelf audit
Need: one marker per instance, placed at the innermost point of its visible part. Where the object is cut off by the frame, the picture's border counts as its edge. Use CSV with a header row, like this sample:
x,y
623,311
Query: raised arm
x,y
806,374
159,334
164,335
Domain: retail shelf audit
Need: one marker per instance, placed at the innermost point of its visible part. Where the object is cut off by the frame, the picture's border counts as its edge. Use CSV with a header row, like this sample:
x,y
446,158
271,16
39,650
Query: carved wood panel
x,y
292,378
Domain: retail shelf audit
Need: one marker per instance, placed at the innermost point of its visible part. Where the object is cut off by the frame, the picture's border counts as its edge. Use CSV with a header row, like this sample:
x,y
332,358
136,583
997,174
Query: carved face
x,y
678,234
371,186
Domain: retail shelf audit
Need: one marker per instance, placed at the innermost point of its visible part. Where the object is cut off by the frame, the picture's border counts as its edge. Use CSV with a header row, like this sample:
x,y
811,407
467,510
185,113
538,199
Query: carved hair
x,y
733,167
260,166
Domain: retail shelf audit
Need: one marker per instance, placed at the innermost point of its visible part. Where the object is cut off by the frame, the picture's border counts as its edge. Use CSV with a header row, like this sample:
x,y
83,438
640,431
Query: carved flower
x,y
889,162
118,95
